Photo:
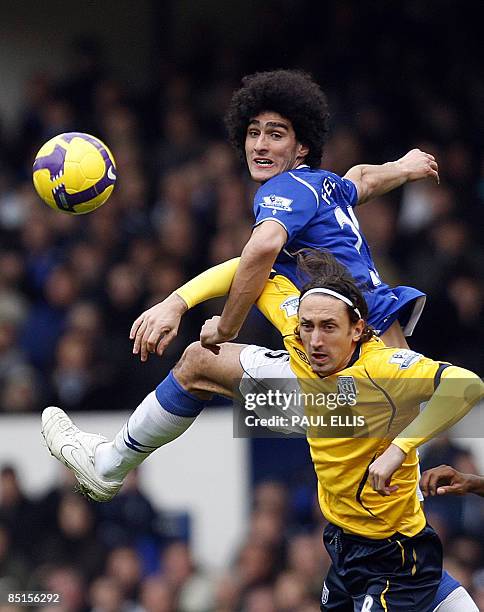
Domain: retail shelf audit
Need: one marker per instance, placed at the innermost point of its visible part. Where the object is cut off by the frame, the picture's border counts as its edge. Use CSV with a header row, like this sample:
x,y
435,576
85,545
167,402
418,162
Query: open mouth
x,y
319,357
263,162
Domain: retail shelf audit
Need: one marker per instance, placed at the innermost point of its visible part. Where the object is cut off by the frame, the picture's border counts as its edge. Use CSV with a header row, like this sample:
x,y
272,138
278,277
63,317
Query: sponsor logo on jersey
x,y
347,385
325,594
405,358
277,203
290,305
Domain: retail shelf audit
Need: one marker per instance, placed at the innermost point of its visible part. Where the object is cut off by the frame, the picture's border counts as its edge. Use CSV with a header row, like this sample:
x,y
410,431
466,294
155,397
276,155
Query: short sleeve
x,y
349,192
288,200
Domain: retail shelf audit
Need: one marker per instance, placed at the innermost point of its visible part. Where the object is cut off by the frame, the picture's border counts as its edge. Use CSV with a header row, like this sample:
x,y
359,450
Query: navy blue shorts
x,y
399,573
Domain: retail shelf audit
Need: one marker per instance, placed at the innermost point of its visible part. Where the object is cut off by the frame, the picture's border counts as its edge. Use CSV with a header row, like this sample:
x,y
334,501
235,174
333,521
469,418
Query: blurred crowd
x,y
127,556
70,287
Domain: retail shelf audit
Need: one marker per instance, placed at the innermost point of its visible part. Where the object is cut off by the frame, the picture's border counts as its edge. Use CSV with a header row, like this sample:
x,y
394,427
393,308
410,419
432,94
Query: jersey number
x,y
343,219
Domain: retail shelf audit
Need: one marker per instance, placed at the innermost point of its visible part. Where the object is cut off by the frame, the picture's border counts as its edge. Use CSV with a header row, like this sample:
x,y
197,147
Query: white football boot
x,y
75,449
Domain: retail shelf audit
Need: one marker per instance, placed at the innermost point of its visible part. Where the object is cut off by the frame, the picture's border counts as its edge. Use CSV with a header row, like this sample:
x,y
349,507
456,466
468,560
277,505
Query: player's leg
x,y
457,601
101,465
203,374
396,314
452,597
413,585
393,336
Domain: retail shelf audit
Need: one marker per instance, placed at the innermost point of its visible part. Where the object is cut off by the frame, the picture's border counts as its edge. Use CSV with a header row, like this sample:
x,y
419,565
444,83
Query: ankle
x,y
108,461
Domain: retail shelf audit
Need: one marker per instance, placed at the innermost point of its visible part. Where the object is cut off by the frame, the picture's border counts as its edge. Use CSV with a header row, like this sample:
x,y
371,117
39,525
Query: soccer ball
x,y
74,173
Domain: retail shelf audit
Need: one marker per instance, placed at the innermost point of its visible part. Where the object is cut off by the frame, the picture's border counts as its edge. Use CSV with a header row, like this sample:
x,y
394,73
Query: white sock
x,y
458,600
149,427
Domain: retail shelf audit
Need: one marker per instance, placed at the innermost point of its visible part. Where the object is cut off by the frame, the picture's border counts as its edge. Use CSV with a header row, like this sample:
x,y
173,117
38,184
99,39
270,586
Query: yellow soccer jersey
x,y
381,391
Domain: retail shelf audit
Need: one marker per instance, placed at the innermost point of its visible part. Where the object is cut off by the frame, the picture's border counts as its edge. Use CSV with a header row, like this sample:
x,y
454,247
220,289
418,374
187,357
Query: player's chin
x,y
261,174
321,369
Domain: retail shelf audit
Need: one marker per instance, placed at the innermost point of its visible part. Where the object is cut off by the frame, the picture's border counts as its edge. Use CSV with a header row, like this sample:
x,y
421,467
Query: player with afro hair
x,y
291,93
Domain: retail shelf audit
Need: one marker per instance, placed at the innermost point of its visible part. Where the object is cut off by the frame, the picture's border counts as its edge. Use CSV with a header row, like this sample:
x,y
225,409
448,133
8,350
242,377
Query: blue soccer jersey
x,y
315,207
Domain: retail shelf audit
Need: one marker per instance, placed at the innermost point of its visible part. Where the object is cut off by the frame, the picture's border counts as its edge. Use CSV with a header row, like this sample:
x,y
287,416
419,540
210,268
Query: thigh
x,y
394,337
270,388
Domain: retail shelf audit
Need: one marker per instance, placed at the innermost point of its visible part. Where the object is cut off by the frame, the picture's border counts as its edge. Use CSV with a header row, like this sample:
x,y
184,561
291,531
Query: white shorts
x,y
267,371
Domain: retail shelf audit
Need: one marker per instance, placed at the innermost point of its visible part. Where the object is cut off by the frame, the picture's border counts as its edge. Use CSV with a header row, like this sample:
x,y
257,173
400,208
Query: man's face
x,y
328,336
271,146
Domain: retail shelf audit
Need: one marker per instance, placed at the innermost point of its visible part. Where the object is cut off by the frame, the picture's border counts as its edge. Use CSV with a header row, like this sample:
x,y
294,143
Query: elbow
x,y
464,383
261,252
368,184
265,246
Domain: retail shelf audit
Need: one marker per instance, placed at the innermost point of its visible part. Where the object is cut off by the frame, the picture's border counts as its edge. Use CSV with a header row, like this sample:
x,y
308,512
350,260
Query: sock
x,y
160,418
459,599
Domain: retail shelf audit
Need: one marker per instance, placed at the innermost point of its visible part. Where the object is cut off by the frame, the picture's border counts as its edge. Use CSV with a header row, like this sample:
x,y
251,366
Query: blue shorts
x,y
386,305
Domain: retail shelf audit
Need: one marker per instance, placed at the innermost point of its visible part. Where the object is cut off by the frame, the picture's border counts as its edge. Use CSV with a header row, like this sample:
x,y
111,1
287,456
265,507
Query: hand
x,y
156,327
211,337
420,165
383,468
445,480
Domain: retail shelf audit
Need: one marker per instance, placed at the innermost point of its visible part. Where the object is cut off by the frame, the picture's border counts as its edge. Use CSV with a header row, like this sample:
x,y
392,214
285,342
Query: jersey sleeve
x,y
288,200
457,392
349,192
212,283
410,380
279,302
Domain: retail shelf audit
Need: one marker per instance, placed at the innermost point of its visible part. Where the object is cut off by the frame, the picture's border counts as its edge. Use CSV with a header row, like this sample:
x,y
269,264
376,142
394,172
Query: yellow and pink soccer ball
x,y
74,173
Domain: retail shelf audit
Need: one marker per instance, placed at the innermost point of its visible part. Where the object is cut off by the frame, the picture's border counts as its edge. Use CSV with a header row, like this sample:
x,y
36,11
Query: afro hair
x,y
291,93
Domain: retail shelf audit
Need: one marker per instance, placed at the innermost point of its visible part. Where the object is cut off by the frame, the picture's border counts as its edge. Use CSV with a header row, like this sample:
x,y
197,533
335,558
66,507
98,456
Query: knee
x,y
189,370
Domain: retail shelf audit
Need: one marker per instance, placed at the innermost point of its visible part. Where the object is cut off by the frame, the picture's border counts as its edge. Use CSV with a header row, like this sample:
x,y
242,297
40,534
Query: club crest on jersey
x,y
290,305
405,358
347,385
277,203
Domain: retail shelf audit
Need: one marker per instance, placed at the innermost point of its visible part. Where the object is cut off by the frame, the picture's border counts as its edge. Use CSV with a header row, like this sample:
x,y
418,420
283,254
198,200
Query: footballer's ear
x,y
358,329
302,150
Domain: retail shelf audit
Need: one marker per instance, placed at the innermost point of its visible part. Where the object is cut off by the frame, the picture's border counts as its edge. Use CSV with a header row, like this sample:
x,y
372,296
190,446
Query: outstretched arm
x,y
458,391
155,328
445,480
256,262
375,180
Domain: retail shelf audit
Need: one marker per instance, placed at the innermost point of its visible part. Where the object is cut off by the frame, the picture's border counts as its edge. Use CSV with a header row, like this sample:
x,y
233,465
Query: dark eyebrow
x,y
276,124
324,321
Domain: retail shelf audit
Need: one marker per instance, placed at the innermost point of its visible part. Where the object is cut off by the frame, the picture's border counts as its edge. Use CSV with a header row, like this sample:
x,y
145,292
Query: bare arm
x,y
256,262
375,180
445,480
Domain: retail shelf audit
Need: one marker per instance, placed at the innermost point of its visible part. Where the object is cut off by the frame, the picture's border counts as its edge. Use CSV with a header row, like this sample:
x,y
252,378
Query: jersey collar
x,y
356,355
